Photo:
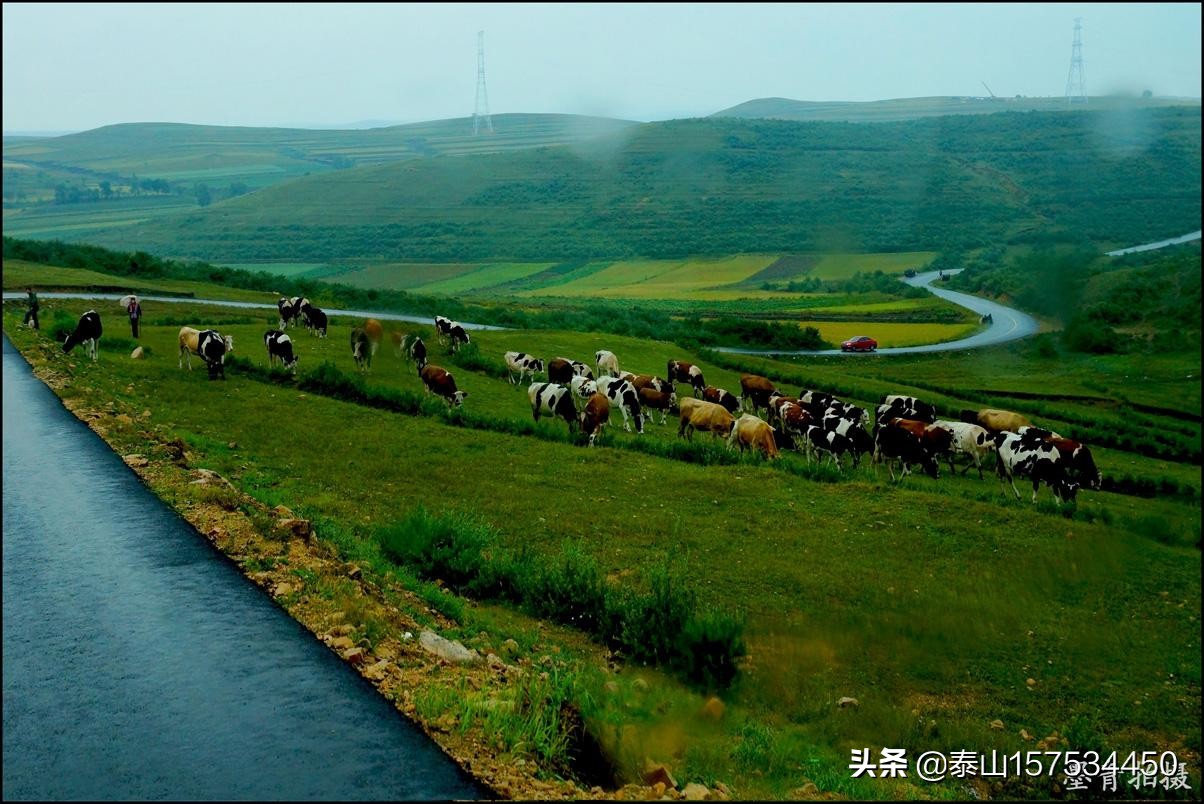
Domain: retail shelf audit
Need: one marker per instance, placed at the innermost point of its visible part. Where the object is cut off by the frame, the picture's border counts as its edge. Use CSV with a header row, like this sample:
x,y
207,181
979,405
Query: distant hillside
x,y
184,155
913,108
726,186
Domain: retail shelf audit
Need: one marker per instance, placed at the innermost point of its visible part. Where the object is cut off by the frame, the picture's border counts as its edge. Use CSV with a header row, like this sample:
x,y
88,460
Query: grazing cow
x,y
361,349
289,310
835,444
1080,466
719,396
750,432
595,415
650,381
606,362
623,395
776,403
757,390
681,371
207,344
664,401
553,399
439,382
87,331
280,347
458,337
969,439
844,410
398,338
935,439
893,441
1040,461
816,402
522,363
907,407
861,442
443,327
995,421
450,333
315,320
414,350
562,370
709,417
375,333
582,387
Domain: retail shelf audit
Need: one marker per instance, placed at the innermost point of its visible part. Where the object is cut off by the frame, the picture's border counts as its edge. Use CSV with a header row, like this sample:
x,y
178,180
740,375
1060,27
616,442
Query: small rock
x,y
845,703
658,789
135,460
146,414
641,685
447,649
695,792
1024,735
232,445
713,708
495,661
356,656
510,648
137,354
657,772
297,527
342,643
806,791
124,420
378,671
342,629
997,725
354,572
1032,682
283,589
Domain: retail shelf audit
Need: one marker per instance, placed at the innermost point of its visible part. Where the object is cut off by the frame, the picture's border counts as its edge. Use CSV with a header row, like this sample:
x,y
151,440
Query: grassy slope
x,y
723,186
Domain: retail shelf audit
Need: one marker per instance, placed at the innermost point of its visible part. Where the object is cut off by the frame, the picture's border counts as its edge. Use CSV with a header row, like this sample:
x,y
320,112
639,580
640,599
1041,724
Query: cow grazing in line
x,y
709,417
894,442
450,333
750,432
861,442
1039,461
623,395
375,333
315,320
595,416
719,396
606,362
280,347
681,371
289,310
442,326
820,440
207,344
582,387
1080,466
935,439
562,370
522,363
650,381
438,381
87,331
971,440
361,349
458,337
554,400
795,420
995,421
664,401
844,410
816,402
776,403
757,390
414,350
907,407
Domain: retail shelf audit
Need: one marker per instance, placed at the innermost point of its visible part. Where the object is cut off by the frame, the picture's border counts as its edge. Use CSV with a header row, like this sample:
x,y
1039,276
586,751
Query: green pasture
x,y
932,597
664,279
19,275
485,278
405,276
290,269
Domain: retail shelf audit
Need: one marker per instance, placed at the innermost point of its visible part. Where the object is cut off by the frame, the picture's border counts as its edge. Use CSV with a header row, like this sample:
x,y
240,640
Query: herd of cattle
x,y
904,429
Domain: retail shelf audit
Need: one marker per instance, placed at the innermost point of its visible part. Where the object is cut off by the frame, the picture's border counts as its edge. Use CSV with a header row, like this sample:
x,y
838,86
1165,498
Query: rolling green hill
x,y
912,108
725,187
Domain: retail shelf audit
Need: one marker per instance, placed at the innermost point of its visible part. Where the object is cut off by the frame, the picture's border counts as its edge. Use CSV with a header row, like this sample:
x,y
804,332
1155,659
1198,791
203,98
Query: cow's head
x,y
229,341
1065,489
457,399
929,465
537,366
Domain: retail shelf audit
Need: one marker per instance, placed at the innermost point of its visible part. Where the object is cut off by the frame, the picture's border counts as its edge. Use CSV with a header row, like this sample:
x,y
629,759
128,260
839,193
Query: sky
x,y
72,67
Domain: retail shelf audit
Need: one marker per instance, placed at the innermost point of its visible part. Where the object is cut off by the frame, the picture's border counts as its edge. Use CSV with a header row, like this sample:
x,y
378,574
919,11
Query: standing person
x,y
135,310
31,315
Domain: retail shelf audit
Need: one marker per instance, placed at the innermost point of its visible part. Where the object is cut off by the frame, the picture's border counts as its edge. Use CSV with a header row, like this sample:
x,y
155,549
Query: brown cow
x,y
681,371
438,381
706,416
777,402
996,421
375,333
595,416
756,389
639,381
934,438
652,399
721,397
749,432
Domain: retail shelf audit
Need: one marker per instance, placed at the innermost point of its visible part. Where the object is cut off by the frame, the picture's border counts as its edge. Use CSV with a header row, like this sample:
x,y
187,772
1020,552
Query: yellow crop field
x,y
891,334
843,266
667,279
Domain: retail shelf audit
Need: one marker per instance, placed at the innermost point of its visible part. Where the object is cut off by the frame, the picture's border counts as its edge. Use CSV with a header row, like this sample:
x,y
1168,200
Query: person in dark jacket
x,y
31,315
135,310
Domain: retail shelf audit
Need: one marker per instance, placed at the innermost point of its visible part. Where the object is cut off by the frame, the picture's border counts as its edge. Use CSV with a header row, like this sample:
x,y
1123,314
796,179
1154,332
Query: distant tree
x,y
236,189
1147,94
106,190
201,191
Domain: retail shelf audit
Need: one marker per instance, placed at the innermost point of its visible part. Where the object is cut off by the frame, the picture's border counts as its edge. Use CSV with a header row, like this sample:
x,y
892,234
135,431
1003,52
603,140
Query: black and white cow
x,y
290,310
583,388
213,347
458,337
623,395
554,400
892,441
861,441
831,442
815,402
1080,465
280,347
315,320
443,326
1040,461
607,363
522,363
562,370
906,407
414,350
844,410
87,331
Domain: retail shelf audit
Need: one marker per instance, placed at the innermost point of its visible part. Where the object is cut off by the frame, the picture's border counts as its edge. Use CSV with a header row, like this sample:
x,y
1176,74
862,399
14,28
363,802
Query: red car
x,y
860,343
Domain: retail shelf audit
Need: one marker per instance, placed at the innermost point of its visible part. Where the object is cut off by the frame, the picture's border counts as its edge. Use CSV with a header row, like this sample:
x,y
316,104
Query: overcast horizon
x,y
74,67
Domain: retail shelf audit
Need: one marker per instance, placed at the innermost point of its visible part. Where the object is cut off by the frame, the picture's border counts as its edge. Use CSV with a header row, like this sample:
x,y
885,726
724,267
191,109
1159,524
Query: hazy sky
x,y
74,67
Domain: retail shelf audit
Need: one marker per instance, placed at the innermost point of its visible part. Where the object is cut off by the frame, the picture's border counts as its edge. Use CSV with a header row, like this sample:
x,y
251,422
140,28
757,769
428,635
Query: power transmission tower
x,y
480,115
1076,83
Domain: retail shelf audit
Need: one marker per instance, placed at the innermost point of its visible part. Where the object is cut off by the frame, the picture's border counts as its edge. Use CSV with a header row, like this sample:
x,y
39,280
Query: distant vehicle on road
x,y
909,273
859,343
